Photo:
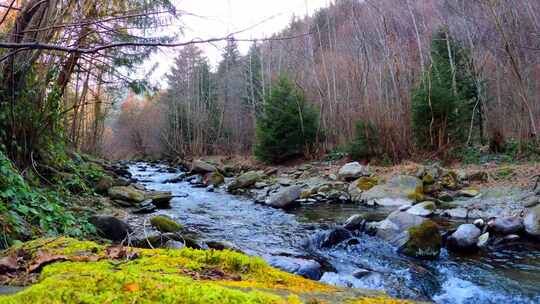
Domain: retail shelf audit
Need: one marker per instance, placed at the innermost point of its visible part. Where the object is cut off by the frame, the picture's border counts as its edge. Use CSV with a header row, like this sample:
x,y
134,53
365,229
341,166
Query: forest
x,y
366,151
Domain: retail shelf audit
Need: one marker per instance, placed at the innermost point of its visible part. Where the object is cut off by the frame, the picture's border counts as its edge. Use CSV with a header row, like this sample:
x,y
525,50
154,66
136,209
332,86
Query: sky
x,y
217,18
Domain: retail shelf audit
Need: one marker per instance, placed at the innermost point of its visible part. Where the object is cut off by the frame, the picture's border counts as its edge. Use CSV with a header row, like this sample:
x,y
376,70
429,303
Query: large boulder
x,y
245,180
352,171
465,238
422,241
128,193
285,197
160,199
110,228
532,221
165,224
506,225
104,184
398,191
201,167
391,229
360,185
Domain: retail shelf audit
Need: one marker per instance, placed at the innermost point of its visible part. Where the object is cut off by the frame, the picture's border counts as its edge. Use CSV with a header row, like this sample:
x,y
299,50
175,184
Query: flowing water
x,y
505,275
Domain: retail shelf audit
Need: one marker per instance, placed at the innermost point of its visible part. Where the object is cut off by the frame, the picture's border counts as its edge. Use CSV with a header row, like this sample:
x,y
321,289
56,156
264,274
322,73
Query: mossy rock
x,y
129,194
92,273
104,184
450,180
424,241
366,183
215,179
165,224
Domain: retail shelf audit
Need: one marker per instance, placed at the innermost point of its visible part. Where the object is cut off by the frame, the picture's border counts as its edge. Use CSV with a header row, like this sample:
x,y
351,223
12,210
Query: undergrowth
x,y
27,209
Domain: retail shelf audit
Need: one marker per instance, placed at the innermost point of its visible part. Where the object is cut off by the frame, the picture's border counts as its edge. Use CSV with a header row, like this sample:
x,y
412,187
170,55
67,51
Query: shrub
x,y
288,125
364,146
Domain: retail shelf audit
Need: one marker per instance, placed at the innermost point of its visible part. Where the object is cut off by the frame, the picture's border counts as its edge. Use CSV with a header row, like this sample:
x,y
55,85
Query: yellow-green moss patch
x,y
171,276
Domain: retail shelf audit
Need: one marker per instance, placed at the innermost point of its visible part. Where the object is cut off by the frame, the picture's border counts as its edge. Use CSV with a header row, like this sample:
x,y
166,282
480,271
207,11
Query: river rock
x,y
172,244
110,228
213,179
222,245
422,241
391,228
465,238
285,197
201,167
532,221
398,191
506,225
335,237
360,185
245,180
531,201
459,212
480,223
129,194
352,171
160,199
165,224
355,222
482,240
469,192
422,209
307,268
145,207
104,184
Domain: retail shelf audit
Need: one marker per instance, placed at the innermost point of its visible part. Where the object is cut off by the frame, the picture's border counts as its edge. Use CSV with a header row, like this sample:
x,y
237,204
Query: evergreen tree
x,y
287,126
442,105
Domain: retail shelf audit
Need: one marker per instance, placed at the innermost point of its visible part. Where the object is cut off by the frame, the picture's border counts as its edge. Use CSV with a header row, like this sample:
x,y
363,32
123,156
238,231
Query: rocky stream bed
x,y
451,244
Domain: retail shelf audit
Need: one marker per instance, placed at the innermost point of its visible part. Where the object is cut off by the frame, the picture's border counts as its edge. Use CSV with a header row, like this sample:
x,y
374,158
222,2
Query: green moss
x,y
366,183
424,241
171,276
428,179
165,224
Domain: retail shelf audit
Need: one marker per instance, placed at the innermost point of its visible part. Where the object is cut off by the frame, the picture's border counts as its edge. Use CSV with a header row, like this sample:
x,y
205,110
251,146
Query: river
x,y
506,275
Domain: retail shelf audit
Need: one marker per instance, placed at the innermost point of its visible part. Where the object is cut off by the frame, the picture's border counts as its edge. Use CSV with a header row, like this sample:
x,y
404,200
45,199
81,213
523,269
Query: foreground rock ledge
x,y
72,271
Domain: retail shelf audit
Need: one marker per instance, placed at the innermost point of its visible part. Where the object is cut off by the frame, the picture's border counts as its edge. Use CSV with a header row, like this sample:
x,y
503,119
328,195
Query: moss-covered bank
x,y
86,272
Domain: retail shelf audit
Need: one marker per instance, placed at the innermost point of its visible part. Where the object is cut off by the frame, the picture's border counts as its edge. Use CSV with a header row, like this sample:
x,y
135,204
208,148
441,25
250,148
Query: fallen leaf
x,y
43,258
120,252
8,264
131,287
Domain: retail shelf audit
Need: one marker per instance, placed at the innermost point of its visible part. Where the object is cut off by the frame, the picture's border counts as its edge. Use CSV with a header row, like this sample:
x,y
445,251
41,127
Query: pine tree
x,y
287,126
442,104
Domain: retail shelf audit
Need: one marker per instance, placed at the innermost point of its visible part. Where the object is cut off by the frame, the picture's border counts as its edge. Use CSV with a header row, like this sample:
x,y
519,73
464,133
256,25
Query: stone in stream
x,y
394,228
506,225
160,199
307,268
469,192
465,238
335,237
213,179
110,228
352,171
398,191
355,222
201,167
165,224
285,197
422,241
245,180
422,209
145,207
482,240
532,222
128,194
104,184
